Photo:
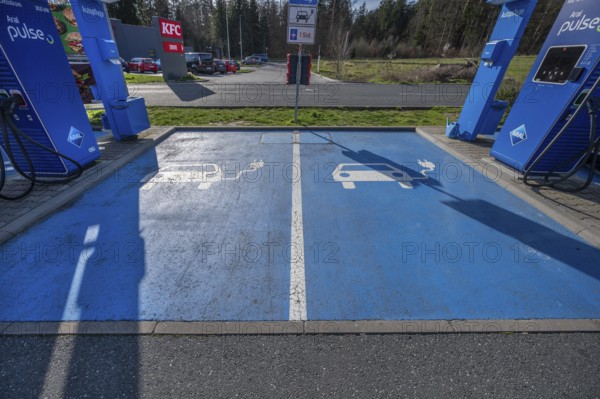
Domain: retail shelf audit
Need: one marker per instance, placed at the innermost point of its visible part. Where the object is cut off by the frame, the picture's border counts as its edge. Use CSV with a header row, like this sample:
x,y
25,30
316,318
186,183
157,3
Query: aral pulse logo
x,y
75,137
22,31
515,13
580,22
518,135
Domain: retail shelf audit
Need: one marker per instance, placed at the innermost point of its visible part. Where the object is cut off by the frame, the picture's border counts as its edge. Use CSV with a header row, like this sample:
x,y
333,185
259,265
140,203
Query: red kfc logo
x,y
170,28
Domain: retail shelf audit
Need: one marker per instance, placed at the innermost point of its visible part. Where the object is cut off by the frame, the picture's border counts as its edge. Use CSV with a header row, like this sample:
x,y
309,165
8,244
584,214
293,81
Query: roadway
x,y
335,366
266,87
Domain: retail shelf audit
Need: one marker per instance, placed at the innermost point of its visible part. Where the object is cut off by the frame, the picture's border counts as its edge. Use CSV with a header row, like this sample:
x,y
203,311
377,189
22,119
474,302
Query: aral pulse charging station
x,y
551,129
45,127
47,106
552,124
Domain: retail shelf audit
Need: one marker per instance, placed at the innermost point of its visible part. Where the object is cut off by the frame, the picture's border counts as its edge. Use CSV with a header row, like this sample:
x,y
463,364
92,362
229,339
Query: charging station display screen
x,y
558,64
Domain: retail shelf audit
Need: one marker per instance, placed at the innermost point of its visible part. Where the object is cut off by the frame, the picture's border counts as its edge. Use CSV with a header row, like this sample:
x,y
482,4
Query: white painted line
x,y
72,310
297,273
55,380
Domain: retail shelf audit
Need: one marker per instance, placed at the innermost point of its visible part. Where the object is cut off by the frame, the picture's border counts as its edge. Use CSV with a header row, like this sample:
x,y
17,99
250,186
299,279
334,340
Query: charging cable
x,y
7,108
590,153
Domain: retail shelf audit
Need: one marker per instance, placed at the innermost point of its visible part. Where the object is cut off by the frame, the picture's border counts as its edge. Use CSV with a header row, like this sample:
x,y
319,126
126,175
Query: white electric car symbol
x,y
205,174
350,173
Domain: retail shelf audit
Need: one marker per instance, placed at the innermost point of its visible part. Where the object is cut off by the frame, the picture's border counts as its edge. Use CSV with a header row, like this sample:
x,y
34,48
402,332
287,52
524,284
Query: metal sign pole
x,y
319,60
298,76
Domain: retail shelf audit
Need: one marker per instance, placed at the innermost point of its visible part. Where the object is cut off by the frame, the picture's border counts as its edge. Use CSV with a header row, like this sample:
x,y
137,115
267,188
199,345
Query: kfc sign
x,y
171,47
170,28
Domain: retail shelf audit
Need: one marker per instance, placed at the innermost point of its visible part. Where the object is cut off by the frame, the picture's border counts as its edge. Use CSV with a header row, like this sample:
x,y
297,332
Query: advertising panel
x,y
70,38
171,51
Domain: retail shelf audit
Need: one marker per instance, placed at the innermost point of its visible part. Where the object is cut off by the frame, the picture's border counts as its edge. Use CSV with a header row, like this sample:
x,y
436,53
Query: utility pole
x,y
319,60
241,47
227,25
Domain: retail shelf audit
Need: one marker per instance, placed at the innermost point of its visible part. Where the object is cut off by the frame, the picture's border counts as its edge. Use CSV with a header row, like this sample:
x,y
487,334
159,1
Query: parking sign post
x,y
302,21
298,77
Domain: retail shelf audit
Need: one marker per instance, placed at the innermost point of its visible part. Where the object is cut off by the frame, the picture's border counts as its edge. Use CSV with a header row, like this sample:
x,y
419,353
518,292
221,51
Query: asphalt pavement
x,y
333,366
266,87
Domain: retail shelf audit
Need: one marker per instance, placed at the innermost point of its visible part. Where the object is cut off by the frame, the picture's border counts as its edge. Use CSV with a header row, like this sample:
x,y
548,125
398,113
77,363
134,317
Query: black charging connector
x,y
587,156
8,105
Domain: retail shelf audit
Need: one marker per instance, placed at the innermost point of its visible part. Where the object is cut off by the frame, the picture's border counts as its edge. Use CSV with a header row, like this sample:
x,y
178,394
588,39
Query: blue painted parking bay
x,y
280,225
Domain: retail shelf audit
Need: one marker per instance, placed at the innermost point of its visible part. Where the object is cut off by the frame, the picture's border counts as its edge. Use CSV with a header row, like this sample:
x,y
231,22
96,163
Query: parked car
x,y
232,66
263,57
199,63
158,64
142,65
252,60
124,65
220,66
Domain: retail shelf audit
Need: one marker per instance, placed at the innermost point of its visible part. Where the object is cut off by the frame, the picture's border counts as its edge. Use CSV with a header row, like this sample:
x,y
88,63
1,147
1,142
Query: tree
x,y
125,10
162,8
394,28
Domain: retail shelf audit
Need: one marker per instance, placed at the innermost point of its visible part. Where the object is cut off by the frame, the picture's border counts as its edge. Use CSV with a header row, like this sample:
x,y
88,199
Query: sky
x,y
371,4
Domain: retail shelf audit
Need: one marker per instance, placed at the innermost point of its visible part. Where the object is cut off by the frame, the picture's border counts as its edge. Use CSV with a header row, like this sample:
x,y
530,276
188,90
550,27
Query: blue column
x,y
481,113
126,115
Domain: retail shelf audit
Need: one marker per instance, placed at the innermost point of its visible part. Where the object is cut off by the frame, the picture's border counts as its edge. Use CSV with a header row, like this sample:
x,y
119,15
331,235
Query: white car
x,y
350,173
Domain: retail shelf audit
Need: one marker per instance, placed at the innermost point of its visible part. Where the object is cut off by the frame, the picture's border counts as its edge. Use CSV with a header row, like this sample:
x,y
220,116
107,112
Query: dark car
x,y
263,57
199,63
124,65
142,65
252,60
220,66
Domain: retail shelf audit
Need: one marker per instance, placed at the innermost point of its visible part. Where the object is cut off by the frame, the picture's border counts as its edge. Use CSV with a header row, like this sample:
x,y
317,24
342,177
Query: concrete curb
x,y
331,80
589,234
302,129
222,328
81,328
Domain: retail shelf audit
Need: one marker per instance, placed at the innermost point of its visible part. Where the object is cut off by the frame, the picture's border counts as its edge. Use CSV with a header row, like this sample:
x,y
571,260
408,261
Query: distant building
x,y
135,41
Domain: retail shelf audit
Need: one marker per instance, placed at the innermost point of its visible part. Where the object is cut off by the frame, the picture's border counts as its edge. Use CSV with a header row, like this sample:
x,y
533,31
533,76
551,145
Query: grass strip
x,y
139,78
185,116
405,70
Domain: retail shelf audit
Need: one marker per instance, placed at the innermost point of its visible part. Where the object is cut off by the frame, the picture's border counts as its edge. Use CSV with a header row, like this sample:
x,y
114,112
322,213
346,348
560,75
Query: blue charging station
x,y
552,122
481,113
35,75
126,116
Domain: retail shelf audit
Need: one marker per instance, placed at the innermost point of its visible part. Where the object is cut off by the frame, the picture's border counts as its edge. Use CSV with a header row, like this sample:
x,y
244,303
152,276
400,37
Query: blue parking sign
x,y
304,2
